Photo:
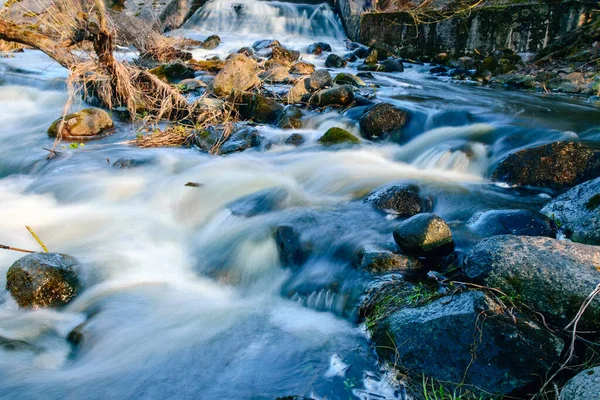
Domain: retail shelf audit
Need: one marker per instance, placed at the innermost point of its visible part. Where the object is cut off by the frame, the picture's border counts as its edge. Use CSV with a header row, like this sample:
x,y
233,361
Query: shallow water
x,y
186,300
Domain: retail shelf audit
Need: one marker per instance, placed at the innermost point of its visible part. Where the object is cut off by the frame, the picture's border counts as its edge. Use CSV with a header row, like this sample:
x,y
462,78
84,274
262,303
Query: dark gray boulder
x,y
401,200
382,119
557,166
424,235
242,139
291,118
42,280
552,276
576,212
468,338
336,96
335,61
295,139
256,107
584,386
320,79
512,222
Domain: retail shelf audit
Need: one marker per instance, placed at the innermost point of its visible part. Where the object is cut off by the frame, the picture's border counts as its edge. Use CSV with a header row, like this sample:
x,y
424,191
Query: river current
x,y
184,299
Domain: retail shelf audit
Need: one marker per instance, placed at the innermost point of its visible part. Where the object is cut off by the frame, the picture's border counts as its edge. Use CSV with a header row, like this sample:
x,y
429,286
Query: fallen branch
x,y
3,247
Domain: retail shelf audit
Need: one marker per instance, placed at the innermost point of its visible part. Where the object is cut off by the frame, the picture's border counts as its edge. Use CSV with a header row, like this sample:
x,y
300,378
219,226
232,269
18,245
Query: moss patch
x,y
337,136
593,203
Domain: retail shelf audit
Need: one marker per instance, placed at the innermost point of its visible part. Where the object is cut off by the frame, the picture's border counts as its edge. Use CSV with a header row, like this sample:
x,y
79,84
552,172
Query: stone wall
x,y
523,27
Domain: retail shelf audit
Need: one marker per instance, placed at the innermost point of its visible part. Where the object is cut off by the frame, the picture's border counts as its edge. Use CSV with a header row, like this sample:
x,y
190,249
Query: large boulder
x,y
240,140
299,92
584,386
576,212
468,338
424,235
512,222
211,42
381,120
320,79
400,200
318,47
335,136
336,96
256,107
281,54
276,75
302,68
87,124
349,79
239,73
557,166
552,276
291,118
41,280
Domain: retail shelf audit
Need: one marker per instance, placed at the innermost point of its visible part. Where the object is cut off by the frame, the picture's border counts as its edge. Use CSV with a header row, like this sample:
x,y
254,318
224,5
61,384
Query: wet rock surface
x,y
424,235
87,124
239,73
513,222
43,280
381,120
557,166
584,386
400,200
576,212
554,277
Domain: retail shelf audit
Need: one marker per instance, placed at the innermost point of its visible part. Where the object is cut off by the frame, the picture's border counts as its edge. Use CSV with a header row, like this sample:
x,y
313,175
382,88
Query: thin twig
x,y
37,238
3,247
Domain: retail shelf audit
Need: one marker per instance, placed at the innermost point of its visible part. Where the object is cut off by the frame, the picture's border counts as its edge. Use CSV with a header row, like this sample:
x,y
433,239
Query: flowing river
x,y
186,299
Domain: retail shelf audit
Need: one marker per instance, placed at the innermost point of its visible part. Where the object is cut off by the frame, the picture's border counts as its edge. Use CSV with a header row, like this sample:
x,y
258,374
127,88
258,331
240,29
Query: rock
x,y
336,96
318,48
87,124
291,252
291,118
247,51
557,166
335,61
239,73
173,72
337,136
513,222
466,62
280,53
242,139
206,139
276,75
320,79
552,276
127,163
380,120
576,212
349,79
299,92
261,202
188,85
302,68
468,338
372,58
584,386
350,57
265,44
212,42
256,107
382,261
489,63
424,235
361,52
401,200
42,280
391,65
295,139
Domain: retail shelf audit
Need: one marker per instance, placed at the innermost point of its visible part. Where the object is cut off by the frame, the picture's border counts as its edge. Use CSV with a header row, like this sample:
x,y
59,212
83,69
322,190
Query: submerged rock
x,y
291,251
557,166
553,276
401,200
576,212
261,202
381,120
295,139
336,96
318,48
291,118
335,61
490,349
239,73
87,124
42,280
584,386
335,136
424,235
513,222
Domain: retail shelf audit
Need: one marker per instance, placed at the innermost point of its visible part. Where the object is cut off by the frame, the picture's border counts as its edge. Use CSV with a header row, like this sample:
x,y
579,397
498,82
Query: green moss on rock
x,y
337,136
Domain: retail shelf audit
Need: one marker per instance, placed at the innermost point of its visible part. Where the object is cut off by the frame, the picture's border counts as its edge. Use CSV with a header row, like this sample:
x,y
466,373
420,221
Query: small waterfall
x,y
270,19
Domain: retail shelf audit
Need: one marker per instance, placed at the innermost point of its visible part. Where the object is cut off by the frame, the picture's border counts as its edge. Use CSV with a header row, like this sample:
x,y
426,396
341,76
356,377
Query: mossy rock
x,y
87,124
338,136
